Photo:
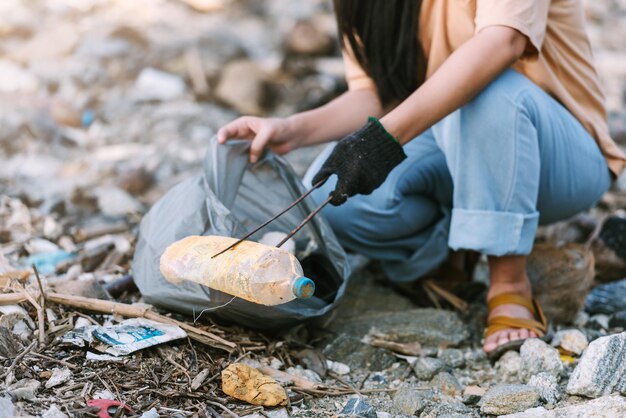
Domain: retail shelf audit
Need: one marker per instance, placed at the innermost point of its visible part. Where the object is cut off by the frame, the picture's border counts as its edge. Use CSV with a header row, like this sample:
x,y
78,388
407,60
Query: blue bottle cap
x,y
87,118
303,288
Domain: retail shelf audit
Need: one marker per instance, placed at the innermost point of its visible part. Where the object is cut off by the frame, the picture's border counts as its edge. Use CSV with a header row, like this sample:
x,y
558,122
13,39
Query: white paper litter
x,y
126,337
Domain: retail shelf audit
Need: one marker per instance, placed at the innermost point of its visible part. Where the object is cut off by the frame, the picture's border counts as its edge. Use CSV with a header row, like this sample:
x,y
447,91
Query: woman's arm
x,y
463,75
334,120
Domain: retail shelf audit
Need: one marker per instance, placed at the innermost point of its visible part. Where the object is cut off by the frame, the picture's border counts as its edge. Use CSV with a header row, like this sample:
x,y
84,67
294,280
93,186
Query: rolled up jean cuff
x,y
493,233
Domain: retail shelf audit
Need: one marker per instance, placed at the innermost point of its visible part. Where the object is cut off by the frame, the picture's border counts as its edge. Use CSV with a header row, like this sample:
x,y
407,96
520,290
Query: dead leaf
x,y
250,385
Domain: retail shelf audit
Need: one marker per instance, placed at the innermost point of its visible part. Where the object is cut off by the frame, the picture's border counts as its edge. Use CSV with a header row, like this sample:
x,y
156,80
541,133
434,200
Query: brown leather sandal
x,y
539,325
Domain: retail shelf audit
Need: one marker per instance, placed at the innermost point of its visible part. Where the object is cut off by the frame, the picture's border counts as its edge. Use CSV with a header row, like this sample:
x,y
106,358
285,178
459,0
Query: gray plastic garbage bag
x,y
230,198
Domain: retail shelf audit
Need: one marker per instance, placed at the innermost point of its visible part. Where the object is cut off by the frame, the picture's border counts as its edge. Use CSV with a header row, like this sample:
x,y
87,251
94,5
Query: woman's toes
x,y
491,342
503,337
514,335
524,334
531,334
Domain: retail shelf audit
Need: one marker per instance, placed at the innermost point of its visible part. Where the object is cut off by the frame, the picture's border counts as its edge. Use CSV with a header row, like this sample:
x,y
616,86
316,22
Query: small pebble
x,y
571,340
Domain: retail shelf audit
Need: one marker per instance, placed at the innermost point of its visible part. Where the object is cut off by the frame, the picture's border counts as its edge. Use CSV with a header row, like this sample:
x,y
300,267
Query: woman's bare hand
x,y
276,134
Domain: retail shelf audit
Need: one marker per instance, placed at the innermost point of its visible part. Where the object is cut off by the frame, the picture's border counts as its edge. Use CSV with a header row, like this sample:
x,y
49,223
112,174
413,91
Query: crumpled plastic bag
x,y
230,198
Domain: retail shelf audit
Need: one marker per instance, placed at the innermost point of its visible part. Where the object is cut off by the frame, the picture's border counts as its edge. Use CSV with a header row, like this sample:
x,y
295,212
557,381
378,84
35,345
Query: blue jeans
x,y
481,179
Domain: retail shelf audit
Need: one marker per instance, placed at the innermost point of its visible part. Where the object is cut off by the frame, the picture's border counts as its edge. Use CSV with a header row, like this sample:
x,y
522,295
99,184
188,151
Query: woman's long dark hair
x,y
384,37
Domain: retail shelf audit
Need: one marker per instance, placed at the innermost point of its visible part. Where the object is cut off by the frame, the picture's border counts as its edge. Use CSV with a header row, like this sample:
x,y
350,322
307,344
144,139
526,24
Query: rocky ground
x,y
104,105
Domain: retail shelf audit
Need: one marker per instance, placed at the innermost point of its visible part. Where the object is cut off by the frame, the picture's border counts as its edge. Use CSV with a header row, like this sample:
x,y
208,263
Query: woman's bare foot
x,y
508,274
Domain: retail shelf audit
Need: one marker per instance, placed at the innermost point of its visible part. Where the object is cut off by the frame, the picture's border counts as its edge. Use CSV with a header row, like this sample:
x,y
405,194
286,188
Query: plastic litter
x,y
252,271
230,198
105,405
124,338
46,262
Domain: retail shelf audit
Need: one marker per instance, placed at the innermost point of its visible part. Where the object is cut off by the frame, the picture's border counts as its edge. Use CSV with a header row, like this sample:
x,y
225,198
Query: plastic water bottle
x,y
251,271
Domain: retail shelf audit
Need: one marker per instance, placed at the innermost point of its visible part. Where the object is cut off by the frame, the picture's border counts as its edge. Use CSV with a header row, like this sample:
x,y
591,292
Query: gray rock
x,y
115,202
607,298
476,359
7,410
242,86
538,357
571,340
447,384
602,368
355,354
453,357
53,412
304,373
429,327
411,400
427,367
473,394
604,407
446,407
600,320
277,413
25,389
508,399
357,407
152,413
547,386
307,37
618,319
508,366
153,84
59,376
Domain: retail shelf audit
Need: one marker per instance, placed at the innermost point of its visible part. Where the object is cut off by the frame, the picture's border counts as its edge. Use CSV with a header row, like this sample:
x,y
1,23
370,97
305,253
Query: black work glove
x,y
361,161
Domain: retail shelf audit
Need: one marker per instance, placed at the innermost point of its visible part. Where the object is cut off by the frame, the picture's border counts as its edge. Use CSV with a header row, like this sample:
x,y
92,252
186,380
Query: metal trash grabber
x,y
273,218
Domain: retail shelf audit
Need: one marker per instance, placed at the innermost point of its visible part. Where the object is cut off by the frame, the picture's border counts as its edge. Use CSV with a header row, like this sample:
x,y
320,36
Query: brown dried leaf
x,y
250,385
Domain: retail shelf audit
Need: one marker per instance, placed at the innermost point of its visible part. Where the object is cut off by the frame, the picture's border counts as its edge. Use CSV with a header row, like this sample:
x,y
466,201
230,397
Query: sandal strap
x,y
539,325
511,299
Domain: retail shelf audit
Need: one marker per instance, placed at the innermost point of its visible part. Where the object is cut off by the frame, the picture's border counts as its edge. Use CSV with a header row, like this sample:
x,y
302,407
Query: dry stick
x,y
41,321
228,411
124,309
299,382
450,297
17,360
65,363
43,294
346,384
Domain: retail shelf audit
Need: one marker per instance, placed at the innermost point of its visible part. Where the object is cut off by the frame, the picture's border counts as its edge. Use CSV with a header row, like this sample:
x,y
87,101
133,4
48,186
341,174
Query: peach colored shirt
x,y
558,57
